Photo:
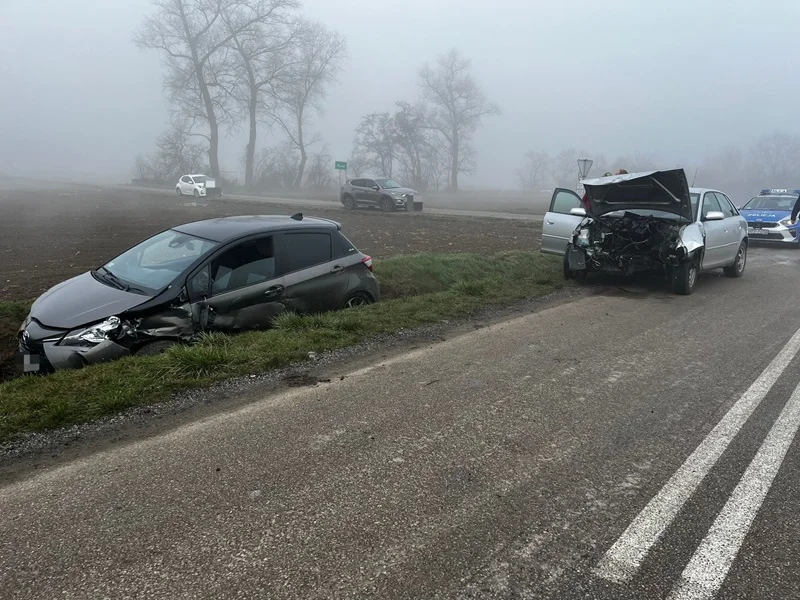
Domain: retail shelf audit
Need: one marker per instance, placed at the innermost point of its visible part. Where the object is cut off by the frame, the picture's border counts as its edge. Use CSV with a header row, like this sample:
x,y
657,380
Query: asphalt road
x,y
627,445
327,204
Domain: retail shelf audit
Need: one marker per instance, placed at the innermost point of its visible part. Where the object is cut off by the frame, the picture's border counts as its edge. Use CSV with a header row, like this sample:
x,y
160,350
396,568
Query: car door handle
x,y
275,290
549,222
337,269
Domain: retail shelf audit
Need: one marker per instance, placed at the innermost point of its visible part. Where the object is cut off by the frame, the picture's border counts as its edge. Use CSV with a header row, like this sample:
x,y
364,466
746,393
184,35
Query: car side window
x,y
710,204
724,205
245,264
734,210
303,250
565,201
368,183
342,247
185,179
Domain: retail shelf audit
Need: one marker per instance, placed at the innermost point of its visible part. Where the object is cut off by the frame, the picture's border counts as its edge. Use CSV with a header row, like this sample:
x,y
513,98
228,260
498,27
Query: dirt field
x,y
47,235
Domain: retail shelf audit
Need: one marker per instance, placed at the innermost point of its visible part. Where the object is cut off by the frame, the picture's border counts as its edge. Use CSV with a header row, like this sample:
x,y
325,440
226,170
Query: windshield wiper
x,y
109,276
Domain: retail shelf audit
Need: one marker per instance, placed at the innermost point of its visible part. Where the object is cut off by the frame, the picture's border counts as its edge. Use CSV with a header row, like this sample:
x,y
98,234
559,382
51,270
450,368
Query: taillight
x,y
367,260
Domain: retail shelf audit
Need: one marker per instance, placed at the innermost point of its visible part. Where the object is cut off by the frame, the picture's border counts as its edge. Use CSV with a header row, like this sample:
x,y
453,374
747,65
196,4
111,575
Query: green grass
x,y
417,290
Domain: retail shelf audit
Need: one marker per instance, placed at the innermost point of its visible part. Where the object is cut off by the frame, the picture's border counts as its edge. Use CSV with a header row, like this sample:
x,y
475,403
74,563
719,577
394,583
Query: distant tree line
x,y
770,162
230,64
427,144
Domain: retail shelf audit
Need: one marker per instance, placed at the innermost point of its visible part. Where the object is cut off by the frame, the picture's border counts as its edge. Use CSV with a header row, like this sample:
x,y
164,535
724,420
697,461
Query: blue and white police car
x,y
768,216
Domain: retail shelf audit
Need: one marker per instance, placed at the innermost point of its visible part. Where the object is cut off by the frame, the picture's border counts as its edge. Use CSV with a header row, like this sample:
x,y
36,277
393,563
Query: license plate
x,y
28,363
754,231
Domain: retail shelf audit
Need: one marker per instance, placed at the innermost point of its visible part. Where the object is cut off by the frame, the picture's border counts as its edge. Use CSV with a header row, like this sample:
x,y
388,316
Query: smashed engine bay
x,y
627,243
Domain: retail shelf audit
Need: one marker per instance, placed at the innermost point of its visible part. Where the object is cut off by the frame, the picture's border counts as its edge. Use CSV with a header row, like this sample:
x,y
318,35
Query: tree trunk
x,y
301,145
454,166
213,126
301,168
251,142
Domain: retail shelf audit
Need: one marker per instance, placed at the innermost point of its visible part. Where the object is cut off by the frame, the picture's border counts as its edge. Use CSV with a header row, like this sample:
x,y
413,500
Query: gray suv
x,y
382,192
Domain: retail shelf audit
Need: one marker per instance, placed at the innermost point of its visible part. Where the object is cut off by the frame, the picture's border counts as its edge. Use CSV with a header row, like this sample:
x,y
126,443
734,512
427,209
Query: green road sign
x,y
341,165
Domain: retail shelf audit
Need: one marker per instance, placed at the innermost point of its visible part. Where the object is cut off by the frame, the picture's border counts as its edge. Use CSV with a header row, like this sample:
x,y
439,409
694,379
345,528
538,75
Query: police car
x,y
768,216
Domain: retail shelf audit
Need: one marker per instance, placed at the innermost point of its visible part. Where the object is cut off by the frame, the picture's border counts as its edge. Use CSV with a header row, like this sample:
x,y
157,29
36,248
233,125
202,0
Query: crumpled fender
x,y
692,237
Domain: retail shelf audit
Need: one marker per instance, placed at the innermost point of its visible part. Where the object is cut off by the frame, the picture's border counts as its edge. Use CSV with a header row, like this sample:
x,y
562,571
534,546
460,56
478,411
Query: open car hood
x,y
666,191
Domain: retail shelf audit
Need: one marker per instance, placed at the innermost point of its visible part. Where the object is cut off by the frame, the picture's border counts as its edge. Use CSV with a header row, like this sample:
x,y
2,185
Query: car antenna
x,y
695,176
297,216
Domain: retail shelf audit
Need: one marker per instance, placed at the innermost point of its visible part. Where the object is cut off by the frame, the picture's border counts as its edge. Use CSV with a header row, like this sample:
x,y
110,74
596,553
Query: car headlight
x,y
399,195
787,222
582,238
94,334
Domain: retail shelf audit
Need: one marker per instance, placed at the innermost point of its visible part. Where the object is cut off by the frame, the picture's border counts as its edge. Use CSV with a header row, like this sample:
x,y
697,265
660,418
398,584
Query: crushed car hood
x,y
666,191
80,301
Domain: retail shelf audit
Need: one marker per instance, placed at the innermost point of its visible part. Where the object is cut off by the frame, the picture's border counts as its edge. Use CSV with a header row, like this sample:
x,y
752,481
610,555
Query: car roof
x,y
229,228
695,190
197,175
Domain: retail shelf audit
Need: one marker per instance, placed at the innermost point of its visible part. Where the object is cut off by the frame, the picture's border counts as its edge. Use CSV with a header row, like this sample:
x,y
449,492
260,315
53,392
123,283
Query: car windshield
x,y
388,184
199,178
771,203
156,262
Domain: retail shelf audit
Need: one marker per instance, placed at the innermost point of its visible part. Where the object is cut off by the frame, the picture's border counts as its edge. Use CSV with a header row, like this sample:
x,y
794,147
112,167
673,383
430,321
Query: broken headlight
x,y
94,334
582,238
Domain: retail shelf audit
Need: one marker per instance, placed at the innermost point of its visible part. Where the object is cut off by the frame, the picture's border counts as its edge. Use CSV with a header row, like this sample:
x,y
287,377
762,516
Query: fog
x,y
678,80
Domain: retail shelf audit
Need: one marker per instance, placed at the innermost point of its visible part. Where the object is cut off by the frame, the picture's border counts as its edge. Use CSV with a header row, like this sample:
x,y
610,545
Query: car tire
x,y
684,278
387,204
196,194
349,202
178,191
357,299
737,268
568,273
153,348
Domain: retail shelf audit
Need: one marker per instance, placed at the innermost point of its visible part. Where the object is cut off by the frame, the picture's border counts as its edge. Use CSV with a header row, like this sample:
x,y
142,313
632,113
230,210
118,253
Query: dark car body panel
x,y
179,311
65,305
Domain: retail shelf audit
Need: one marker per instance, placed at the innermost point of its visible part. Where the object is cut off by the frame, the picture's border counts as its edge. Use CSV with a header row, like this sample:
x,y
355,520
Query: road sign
x,y
341,165
584,164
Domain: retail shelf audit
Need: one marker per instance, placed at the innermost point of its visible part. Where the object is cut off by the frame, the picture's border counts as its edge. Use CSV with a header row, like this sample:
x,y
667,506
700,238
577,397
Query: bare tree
x,y
276,167
261,57
190,35
412,140
316,60
564,167
176,153
458,105
319,171
775,158
357,165
536,171
375,140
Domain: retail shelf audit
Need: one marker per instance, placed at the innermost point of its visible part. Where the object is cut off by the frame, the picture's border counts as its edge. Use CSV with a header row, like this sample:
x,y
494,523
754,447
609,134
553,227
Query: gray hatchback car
x,y
228,274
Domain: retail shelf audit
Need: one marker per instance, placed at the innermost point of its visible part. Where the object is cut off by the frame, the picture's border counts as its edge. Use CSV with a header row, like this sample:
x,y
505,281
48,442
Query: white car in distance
x,y
198,185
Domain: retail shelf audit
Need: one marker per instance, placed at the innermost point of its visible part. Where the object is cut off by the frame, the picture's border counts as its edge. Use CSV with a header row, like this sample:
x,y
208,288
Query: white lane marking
x,y
624,558
710,564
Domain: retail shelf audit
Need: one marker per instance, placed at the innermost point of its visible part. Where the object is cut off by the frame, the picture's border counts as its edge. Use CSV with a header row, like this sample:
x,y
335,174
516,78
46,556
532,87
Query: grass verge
x,y
418,290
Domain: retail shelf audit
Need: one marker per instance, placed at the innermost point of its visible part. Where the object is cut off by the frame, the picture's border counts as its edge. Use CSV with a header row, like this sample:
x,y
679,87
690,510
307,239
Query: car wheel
x,y
568,273
684,278
349,202
357,299
178,191
737,268
196,194
154,348
387,204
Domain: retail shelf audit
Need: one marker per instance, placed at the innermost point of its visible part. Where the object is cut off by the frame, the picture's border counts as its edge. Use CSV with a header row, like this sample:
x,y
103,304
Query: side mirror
x,y
714,215
578,212
376,188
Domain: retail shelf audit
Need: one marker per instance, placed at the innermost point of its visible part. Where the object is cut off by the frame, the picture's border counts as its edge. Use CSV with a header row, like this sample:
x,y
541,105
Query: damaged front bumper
x,y
44,350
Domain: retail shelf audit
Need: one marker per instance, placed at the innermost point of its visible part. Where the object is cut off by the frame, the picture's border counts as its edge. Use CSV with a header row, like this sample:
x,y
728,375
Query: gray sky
x,y
676,79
